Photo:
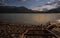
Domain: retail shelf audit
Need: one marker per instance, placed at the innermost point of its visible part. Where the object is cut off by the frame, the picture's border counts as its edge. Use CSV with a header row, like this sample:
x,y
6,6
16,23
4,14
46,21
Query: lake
x,y
29,18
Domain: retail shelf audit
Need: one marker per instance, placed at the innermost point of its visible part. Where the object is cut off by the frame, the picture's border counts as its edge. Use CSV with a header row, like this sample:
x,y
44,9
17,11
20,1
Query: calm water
x,y
29,18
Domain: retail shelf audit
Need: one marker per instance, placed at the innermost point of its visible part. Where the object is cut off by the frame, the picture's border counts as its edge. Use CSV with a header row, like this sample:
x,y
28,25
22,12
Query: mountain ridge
x,y
22,9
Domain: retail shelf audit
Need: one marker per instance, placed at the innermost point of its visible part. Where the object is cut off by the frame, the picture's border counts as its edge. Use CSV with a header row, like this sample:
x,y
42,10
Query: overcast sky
x,y
32,4
29,18
27,3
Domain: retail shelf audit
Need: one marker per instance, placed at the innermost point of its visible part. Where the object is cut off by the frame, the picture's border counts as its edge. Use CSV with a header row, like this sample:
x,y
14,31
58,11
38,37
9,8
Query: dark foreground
x,y
24,31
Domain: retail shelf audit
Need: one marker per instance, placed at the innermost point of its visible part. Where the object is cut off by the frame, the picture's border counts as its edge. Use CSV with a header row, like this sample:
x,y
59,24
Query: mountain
x,y
22,9
56,10
13,9
6,9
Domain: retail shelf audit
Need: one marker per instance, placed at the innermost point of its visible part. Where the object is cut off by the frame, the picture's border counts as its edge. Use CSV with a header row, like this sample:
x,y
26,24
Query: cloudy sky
x,y
29,18
27,3
33,4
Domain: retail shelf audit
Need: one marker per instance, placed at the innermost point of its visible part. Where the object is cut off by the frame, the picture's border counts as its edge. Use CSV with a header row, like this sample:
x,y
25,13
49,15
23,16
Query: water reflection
x,y
29,18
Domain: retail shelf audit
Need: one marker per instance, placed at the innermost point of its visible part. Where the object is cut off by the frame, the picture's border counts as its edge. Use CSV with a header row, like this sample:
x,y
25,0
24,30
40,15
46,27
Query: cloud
x,y
22,0
37,0
52,4
28,0
44,8
52,0
35,8
3,2
48,7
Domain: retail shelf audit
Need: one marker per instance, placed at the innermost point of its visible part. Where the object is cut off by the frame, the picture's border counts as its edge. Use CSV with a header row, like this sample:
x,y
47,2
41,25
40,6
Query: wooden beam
x,y
52,33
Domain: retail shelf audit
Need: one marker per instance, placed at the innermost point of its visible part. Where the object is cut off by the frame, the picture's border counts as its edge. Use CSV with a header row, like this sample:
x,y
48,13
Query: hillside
x,y
22,9
57,10
13,9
